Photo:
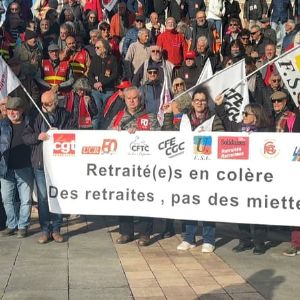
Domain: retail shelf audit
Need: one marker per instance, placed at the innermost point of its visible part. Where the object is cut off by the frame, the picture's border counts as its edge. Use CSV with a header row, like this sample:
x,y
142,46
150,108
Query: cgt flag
x,y
288,66
8,80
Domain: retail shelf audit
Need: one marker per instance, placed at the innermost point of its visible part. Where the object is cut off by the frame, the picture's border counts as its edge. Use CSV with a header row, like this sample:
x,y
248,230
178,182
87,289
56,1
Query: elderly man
x,y
155,59
154,27
137,53
204,28
133,118
34,135
55,74
15,169
132,34
203,53
172,43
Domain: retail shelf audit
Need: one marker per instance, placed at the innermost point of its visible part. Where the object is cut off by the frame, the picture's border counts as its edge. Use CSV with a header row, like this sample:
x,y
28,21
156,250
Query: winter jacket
x,y
6,134
254,9
61,120
190,74
130,37
151,92
194,6
209,31
177,11
280,11
173,45
104,70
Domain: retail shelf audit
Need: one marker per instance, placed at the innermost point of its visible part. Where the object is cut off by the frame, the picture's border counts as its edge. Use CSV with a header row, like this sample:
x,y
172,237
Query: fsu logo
x,y
64,144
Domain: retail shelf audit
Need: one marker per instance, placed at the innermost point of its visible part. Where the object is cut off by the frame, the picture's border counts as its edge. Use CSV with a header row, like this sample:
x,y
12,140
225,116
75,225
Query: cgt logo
x,y
270,149
64,144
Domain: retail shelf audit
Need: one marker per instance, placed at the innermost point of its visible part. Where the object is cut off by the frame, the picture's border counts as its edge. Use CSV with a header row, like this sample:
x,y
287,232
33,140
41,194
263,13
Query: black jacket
x,y
190,75
104,70
62,120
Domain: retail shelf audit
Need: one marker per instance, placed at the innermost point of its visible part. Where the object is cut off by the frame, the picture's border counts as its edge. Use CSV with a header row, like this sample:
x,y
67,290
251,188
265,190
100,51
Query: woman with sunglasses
x,y
254,120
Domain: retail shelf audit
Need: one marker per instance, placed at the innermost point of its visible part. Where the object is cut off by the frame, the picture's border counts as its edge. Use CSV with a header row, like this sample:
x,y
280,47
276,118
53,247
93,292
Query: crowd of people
x,y
90,68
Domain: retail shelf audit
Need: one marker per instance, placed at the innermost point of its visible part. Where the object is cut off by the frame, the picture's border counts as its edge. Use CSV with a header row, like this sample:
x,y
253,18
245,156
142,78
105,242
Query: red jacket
x,y
173,45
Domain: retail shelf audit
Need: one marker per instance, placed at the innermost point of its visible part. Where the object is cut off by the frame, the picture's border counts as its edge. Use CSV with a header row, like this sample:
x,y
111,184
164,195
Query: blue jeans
x,y
100,99
21,180
208,232
49,222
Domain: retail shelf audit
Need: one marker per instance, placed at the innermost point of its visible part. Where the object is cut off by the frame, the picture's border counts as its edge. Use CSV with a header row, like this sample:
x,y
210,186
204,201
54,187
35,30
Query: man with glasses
x,y
244,38
34,135
132,34
267,31
155,59
258,42
275,85
231,35
172,43
204,28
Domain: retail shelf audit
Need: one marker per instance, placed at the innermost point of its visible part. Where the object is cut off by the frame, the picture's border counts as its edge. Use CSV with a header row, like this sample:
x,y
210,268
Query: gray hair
x,y
142,31
202,38
133,88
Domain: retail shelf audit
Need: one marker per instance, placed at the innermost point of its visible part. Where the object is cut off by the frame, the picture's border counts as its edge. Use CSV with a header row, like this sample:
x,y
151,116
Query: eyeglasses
x,y
277,100
178,84
152,72
246,114
252,33
155,51
140,21
199,101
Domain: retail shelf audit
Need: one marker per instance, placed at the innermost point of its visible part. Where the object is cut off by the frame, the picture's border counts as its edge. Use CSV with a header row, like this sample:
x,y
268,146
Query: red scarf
x,y
110,102
84,118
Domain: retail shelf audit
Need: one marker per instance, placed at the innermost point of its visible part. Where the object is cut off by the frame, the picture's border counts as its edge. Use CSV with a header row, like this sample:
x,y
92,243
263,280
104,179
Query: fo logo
x,y
64,144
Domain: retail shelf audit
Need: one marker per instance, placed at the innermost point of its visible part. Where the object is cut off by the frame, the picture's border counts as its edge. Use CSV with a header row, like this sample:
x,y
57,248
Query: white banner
x,y
8,80
224,177
288,67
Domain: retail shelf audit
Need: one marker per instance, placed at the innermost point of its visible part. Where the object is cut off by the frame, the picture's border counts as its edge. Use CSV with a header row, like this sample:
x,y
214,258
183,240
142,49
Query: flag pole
x,y
263,66
36,106
239,82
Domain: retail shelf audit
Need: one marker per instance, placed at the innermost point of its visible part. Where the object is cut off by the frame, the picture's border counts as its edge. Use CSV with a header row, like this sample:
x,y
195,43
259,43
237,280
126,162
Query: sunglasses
x,y
105,30
140,21
246,114
276,80
178,84
277,100
155,51
233,24
252,33
152,72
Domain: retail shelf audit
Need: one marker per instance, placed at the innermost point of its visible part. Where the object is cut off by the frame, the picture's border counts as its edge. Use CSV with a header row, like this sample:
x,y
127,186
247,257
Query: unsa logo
x,y
64,144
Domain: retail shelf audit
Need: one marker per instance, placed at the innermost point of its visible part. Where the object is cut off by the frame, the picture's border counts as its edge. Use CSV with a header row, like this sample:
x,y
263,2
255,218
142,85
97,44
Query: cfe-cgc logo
x,y
270,149
64,144
202,147
139,147
171,147
108,146
233,147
